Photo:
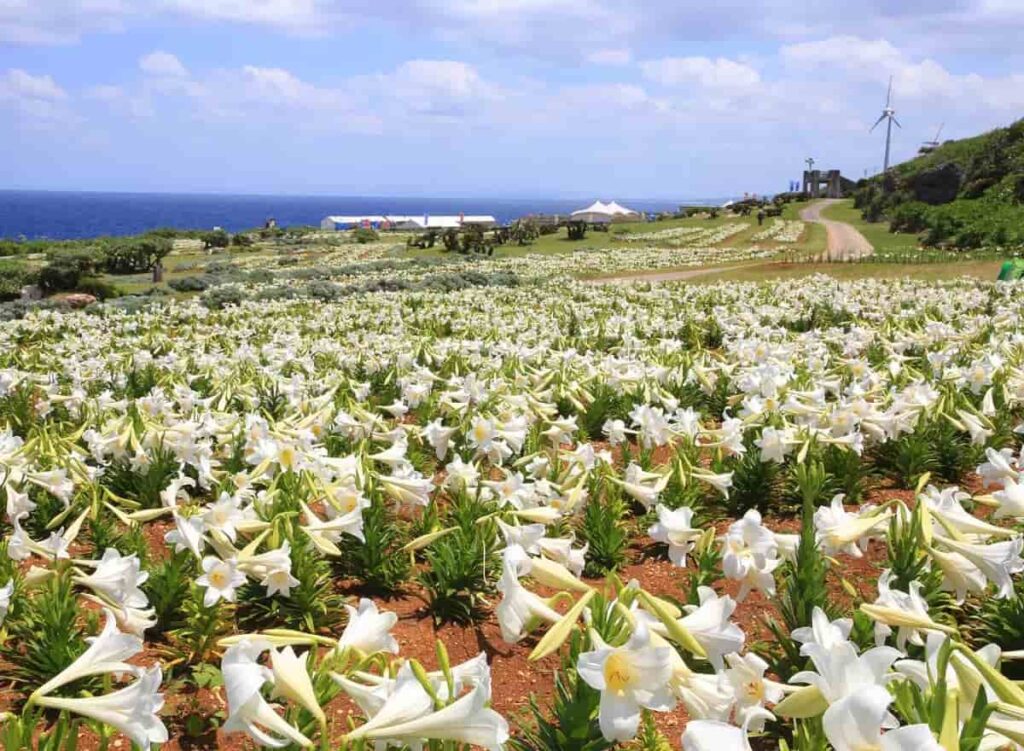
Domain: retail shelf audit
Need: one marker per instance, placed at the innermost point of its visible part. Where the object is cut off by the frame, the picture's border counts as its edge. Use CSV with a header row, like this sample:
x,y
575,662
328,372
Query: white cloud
x,y
610,56
922,80
34,100
59,21
159,63
289,15
17,84
278,84
717,73
430,89
871,58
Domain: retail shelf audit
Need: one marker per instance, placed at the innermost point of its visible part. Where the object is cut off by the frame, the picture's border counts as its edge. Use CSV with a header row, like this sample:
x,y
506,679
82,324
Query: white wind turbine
x,y
889,115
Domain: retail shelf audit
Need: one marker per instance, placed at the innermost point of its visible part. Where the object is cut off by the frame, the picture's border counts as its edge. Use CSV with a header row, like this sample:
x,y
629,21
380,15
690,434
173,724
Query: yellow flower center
x,y
618,673
348,502
218,578
754,690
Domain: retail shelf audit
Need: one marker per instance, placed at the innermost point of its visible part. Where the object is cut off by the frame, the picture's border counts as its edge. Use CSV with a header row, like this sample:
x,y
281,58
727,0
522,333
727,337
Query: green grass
x,y
560,243
877,233
758,272
904,248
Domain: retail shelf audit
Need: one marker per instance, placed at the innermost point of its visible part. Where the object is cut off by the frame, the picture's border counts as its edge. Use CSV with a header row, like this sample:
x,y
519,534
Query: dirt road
x,y
844,242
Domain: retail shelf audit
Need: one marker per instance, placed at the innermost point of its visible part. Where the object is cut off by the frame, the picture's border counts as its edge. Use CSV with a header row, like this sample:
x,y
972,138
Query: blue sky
x,y
651,98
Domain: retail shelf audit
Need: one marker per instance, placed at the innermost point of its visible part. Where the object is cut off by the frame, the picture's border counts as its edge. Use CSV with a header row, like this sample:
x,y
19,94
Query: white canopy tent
x,y
600,213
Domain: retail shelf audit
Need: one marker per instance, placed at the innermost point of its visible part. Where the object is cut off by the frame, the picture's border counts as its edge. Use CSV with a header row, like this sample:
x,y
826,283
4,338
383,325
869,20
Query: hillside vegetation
x,y
964,194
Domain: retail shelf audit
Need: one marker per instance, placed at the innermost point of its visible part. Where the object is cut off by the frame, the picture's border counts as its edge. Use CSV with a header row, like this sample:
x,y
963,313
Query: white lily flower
x,y
774,444
674,528
117,578
107,653
840,531
368,629
525,536
629,677
292,681
924,673
855,722
187,534
959,575
6,592
18,503
520,610
715,735
710,625
248,711
1010,499
840,671
822,632
223,516
220,578
560,550
405,700
133,710
998,561
998,468
411,490
750,555
720,482
466,720
907,611
746,676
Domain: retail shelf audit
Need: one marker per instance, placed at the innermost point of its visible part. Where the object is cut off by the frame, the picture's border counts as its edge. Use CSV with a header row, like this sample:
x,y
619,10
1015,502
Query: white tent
x,y
599,213
619,210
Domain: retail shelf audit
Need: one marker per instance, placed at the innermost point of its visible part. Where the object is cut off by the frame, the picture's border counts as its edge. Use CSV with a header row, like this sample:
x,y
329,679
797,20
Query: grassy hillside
x,y
965,194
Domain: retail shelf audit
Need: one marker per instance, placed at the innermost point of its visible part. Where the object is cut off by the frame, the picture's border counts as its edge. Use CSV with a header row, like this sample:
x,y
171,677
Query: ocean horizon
x,y
69,215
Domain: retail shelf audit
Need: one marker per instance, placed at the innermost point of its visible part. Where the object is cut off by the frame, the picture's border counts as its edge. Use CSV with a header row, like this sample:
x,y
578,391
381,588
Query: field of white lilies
x,y
541,516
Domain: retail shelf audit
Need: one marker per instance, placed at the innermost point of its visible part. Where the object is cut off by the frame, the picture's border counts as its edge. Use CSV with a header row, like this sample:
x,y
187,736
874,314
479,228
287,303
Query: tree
x,y
218,238
577,230
136,255
523,231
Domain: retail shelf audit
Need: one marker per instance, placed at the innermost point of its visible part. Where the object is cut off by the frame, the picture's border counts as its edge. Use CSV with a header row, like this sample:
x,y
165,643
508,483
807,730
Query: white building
x,y
410,223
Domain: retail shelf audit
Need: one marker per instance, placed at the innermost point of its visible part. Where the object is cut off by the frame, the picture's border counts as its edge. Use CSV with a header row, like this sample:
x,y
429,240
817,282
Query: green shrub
x,y
98,288
14,276
86,259
365,235
218,238
189,284
59,277
222,297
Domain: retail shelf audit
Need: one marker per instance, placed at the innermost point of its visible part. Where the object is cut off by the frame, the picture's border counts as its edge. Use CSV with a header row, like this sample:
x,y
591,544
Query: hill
x,y
965,194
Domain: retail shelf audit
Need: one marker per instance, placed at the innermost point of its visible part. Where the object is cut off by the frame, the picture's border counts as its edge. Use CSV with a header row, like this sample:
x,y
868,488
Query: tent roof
x,y
595,208
604,209
616,208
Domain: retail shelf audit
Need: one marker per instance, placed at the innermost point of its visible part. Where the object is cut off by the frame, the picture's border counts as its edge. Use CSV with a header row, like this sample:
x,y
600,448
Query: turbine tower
x,y
889,115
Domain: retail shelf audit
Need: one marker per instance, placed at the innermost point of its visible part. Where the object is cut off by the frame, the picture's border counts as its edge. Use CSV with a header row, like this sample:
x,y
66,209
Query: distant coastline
x,y
70,215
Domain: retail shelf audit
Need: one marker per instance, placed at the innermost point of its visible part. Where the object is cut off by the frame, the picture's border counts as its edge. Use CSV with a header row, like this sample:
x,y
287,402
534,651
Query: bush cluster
x,y
966,194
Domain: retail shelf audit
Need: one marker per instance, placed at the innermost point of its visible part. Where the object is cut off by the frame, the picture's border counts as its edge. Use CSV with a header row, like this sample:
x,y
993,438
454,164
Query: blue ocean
x,y
64,215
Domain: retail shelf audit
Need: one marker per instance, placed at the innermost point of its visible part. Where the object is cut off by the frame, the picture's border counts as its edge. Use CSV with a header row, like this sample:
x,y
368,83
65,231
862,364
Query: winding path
x,y
845,243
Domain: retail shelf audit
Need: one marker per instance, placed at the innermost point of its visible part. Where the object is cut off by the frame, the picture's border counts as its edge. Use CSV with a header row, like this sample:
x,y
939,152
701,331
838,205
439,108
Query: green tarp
x,y
1012,270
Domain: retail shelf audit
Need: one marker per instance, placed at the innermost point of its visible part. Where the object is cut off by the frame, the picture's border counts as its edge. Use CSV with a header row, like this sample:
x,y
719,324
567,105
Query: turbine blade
x,y
896,121
876,123
888,95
